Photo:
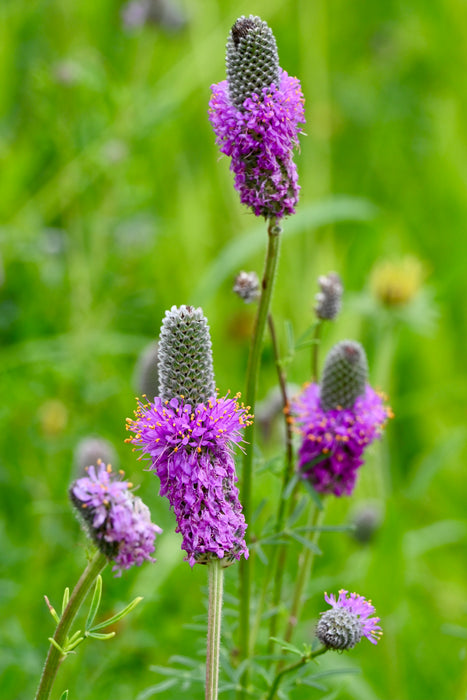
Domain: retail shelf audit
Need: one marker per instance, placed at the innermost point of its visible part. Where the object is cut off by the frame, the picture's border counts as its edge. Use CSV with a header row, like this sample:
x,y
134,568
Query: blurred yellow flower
x,y
397,283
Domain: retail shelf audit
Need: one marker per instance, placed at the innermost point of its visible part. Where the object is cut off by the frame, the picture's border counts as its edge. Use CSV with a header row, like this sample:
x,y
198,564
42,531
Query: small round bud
x,y
339,629
329,299
366,521
345,375
348,620
247,286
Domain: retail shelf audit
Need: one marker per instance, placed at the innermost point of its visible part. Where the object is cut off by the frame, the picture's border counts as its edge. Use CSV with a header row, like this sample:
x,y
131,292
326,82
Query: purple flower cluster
x,y
191,452
260,141
334,441
360,609
118,521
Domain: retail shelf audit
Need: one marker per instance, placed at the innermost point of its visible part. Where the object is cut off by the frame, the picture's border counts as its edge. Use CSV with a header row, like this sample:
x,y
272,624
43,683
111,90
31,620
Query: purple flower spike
x,y
334,441
118,521
256,115
348,621
190,448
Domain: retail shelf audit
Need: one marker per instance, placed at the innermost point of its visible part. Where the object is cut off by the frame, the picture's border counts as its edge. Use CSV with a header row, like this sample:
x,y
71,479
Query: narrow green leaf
x,y
261,554
52,610
118,616
293,481
306,334
100,635
300,507
95,603
258,511
285,645
73,645
158,688
289,334
66,598
57,646
184,661
64,695
314,495
304,541
71,639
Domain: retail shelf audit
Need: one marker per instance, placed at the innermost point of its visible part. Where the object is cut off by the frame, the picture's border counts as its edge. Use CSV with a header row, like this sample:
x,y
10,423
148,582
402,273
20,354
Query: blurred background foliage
x,y
114,205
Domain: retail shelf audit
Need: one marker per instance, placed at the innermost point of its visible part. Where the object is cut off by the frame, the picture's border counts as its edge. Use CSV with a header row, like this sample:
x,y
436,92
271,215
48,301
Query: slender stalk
x,y
315,352
293,667
216,577
250,399
288,425
80,591
277,553
304,568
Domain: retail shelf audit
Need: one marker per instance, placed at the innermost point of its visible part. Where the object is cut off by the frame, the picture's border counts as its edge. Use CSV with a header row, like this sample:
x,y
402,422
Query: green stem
x,y
216,576
293,667
288,426
250,399
55,657
315,352
304,568
278,554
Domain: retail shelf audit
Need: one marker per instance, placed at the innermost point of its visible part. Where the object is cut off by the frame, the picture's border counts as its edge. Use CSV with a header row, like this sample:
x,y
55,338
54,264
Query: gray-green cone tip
x,y
252,60
345,375
185,356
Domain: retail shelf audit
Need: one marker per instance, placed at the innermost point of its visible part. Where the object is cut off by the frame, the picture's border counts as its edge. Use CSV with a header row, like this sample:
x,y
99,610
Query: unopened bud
x,y
247,286
329,299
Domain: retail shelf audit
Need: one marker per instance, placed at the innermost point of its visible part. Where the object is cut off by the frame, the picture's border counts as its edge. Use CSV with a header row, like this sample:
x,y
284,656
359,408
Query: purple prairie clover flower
x,y
348,621
333,441
116,520
190,448
338,419
256,115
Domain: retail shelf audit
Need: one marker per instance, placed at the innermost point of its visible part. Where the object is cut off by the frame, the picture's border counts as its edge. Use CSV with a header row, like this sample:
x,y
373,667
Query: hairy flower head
x,y
338,420
256,115
191,451
116,520
348,621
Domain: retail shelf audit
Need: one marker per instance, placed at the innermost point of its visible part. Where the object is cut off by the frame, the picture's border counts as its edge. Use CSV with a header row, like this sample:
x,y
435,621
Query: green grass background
x,y
114,205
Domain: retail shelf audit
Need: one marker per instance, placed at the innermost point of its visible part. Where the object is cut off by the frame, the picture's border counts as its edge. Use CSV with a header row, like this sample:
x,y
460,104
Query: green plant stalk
x,y
293,667
250,399
315,352
279,553
305,569
80,591
216,578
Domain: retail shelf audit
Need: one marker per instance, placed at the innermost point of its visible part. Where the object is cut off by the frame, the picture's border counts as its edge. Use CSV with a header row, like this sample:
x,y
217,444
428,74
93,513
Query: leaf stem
x,y
250,399
304,568
216,576
315,351
293,667
54,656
